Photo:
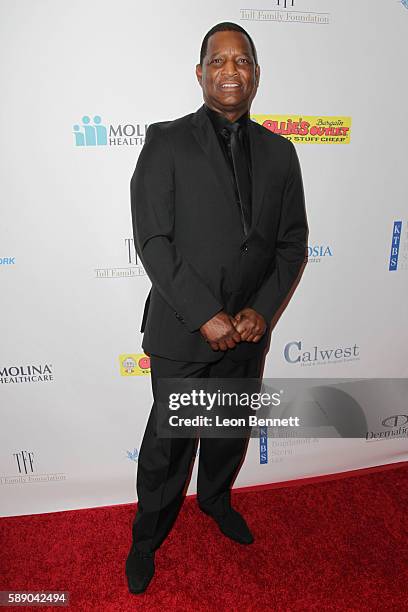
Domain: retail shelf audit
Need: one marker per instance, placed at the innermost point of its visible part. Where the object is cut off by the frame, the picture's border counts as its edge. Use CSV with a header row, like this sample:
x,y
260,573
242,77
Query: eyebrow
x,y
238,53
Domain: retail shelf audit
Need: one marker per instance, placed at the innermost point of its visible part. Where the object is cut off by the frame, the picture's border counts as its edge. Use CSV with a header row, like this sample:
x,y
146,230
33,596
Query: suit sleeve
x,y
290,245
152,202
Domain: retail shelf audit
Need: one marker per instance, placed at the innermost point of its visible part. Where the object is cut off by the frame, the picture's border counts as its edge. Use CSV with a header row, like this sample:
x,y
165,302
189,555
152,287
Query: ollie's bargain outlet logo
x,y
308,129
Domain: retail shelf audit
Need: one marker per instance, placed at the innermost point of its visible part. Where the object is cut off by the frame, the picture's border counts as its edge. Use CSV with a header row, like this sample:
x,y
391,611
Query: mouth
x,y
230,86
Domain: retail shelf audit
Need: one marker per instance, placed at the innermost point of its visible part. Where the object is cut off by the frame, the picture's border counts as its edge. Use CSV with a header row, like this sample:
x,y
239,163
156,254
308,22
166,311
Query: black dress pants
x,y
164,464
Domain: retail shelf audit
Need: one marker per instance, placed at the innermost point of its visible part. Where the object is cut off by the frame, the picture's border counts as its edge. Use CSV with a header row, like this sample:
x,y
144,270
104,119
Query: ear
x,y
257,74
199,73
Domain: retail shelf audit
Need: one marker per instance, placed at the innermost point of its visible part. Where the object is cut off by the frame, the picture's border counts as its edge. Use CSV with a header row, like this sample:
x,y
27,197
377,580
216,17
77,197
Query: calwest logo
x,y
294,353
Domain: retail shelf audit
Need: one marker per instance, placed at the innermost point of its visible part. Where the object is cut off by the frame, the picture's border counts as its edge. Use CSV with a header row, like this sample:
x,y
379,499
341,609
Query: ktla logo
x,y
93,133
134,364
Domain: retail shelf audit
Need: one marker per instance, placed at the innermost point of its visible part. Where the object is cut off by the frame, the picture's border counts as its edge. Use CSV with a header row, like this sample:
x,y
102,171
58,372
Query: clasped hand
x,y
224,331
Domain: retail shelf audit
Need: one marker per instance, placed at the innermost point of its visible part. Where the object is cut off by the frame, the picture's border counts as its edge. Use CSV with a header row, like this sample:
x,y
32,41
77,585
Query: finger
x,y
242,327
230,343
257,338
222,345
250,337
214,346
247,333
236,337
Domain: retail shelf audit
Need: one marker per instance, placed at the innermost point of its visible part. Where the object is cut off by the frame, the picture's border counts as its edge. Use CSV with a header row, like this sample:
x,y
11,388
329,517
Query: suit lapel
x,y
259,155
207,139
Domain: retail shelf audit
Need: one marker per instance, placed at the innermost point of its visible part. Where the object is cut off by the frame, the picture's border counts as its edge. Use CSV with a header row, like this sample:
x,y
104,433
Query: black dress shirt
x,y
219,122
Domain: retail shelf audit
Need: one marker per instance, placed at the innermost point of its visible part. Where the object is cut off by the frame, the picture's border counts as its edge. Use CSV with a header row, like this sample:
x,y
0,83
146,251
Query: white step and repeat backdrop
x,y
81,80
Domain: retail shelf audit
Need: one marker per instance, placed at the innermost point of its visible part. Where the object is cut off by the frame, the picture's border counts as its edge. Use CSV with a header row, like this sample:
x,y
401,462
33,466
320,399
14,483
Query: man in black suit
x,y
220,226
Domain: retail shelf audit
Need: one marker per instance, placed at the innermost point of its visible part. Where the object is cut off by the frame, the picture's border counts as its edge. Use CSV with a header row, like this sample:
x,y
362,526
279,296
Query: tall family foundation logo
x,y
93,132
308,129
28,373
285,11
132,364
23,470
132,266
295,353
399,247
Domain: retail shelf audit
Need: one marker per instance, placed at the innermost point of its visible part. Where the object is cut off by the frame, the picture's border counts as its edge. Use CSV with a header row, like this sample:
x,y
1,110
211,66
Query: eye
x,y
244,59
216,60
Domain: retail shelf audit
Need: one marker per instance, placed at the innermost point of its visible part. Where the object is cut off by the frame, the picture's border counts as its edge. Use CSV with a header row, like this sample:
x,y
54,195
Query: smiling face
x,y
228,76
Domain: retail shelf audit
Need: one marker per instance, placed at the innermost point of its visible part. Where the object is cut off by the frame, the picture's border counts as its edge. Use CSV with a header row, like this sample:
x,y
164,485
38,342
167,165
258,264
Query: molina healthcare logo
x,y
132,364
31,373
308,129
399,247
296,353
132,266
93,132
287,11
316,253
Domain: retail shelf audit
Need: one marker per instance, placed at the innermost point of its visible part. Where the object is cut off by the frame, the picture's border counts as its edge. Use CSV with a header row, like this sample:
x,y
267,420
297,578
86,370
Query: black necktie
x,y
241,171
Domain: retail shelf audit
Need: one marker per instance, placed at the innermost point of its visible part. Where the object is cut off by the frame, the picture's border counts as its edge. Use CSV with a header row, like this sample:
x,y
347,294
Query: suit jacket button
x,y
244,248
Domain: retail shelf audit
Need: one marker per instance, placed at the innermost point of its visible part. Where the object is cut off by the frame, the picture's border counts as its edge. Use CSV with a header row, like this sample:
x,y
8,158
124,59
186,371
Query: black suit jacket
x,y
189,237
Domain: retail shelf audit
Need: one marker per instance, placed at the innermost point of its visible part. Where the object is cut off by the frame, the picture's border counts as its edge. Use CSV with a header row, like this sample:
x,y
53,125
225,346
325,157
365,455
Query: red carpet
x,y
334,545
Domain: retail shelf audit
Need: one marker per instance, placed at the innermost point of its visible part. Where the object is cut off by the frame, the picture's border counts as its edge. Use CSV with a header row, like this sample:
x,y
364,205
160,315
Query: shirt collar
x,y
219,121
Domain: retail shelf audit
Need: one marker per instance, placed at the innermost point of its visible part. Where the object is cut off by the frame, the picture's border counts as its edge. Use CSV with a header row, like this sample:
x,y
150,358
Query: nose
x,y
229,68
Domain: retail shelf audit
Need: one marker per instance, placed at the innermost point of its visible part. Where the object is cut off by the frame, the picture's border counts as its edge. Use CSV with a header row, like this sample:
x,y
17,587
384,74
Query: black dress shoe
x,y
139,570
233,525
